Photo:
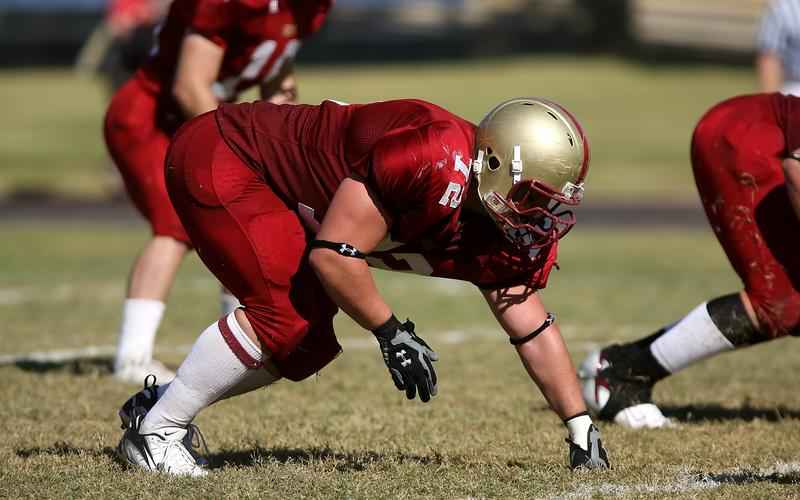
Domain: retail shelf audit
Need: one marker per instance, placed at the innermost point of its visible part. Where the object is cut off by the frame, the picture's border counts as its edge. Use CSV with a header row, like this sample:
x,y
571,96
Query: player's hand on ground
x,y
408,357
594,457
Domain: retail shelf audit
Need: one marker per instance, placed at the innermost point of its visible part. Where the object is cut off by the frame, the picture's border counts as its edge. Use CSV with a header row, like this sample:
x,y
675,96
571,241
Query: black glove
x,y
595,457
408,358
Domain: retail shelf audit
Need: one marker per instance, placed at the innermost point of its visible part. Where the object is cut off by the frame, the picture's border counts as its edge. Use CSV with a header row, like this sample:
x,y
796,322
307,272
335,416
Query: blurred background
x,y
638,73
51,32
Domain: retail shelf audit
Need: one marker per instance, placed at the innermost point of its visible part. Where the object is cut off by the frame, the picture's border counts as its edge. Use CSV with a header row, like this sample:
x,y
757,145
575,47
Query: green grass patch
x,y
348,433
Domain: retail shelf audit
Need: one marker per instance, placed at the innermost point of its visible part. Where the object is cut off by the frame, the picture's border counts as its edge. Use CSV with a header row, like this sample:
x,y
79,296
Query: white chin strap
x,y
477,163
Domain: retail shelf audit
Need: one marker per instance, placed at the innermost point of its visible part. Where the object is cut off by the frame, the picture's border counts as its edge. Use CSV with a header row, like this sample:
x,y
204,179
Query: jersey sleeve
x,y
504,271
212,19
414,174
312,16
772,31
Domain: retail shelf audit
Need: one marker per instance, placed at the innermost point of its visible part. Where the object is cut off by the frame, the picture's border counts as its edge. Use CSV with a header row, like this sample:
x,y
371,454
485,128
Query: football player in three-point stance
x,y
289,206
745,161
207,52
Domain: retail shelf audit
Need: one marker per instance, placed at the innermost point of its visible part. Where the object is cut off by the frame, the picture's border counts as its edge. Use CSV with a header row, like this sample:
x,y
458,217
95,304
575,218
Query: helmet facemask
x,y
531,159
531,216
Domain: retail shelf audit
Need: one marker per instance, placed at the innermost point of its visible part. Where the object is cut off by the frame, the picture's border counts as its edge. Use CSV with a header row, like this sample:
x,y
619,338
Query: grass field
x,y
639,118
348,433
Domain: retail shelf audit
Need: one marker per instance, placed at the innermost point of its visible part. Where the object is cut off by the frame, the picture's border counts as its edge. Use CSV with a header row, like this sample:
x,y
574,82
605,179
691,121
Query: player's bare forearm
x,y
198,67
548,363
770,71
545,357
353,218
195,100
791,171
350,284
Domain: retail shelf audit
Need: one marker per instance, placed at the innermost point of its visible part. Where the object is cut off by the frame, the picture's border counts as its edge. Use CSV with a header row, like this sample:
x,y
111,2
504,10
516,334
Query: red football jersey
x,y
415,157
787,114
258,36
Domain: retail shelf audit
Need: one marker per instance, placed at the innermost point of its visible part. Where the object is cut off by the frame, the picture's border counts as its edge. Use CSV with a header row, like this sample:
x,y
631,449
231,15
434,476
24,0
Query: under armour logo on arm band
x,y
341,248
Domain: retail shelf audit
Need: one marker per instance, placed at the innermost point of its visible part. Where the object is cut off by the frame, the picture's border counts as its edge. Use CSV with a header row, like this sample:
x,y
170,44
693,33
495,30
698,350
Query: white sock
x,y
227,302
578,428
691,339
137,335
209,373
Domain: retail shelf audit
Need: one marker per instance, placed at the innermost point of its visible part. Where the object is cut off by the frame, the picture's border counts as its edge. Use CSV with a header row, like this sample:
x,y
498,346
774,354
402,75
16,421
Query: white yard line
x,y
447,337
12,296
101,292
686,481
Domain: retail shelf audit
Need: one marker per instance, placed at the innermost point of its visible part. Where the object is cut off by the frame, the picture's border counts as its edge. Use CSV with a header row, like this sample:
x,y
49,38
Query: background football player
x,y
289,205
744,157
207,52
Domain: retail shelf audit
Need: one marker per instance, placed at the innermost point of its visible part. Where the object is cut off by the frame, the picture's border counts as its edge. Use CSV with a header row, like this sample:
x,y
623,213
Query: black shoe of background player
x,y
617,385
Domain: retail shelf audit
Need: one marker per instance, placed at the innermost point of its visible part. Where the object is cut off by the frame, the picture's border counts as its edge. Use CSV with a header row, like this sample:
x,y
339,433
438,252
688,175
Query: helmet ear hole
x,y
494,163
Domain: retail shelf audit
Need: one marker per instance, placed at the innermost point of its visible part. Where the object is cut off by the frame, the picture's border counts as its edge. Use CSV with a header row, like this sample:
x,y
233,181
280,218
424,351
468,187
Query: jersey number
x,y
452,195
260,57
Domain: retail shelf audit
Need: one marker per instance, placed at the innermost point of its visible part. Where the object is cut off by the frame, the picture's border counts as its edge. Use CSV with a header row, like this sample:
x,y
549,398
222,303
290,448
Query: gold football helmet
x,y
531,156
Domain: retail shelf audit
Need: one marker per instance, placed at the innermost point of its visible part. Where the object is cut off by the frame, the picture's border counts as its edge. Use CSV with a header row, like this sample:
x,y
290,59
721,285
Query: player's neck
x,y
473,202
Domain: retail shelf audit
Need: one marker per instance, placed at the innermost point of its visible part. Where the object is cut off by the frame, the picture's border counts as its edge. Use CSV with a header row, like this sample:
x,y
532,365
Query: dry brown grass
x,y
349,434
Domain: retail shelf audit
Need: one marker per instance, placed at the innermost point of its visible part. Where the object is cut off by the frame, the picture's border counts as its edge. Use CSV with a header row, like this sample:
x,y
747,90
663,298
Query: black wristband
x,y
388,328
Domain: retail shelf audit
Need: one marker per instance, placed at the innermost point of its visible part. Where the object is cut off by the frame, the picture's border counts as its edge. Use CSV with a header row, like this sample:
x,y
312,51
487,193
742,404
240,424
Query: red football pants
x,y
255,245
737,150
137,139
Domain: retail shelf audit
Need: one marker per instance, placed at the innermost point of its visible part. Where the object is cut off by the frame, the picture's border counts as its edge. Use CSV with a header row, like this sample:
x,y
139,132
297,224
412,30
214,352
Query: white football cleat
x,y
135,373
161,452
642,416
613,393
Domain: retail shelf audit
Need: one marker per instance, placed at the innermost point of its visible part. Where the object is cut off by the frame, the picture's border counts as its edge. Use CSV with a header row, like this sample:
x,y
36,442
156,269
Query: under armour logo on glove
x,y
404,361
346,249
408,358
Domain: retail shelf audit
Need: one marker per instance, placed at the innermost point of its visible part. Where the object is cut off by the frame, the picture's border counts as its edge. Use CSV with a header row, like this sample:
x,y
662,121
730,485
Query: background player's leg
x,y
716,326
139,147
631,370
733,144
154,270
150,280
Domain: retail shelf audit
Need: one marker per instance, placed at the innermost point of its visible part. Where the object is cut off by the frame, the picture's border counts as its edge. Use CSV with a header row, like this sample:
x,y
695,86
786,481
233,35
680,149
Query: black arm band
x,y
340,248
549,320
389,328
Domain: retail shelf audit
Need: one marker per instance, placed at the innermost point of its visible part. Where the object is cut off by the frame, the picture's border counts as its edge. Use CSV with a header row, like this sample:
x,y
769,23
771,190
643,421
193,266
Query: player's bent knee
x,y
778,317
244,323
